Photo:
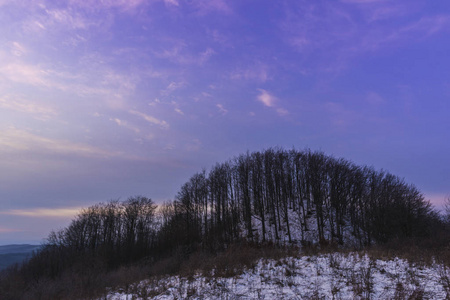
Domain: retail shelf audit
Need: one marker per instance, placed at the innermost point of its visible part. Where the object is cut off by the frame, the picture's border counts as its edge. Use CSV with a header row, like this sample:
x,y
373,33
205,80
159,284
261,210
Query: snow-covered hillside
x,y
327,276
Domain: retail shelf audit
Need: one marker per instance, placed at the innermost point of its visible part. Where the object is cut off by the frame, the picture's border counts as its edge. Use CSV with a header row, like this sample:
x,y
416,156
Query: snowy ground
x,y
328,276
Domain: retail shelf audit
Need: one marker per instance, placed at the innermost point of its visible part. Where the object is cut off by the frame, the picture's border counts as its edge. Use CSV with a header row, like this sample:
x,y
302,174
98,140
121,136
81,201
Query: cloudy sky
x,y
106,99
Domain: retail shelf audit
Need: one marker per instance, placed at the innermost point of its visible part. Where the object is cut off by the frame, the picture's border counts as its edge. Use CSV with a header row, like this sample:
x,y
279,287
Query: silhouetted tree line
x,y
217,208
101,237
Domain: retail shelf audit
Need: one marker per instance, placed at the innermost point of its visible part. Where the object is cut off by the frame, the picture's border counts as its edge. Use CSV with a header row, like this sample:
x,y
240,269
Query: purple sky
x,y
106,99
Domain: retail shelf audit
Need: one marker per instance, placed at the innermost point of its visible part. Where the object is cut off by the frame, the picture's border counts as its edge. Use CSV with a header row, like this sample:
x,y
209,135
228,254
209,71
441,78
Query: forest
x,y
274,198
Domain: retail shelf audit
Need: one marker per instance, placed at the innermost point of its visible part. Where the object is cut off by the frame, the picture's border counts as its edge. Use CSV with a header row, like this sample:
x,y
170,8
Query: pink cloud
x,y
271,101
265,98
150,119
125,5
42,213
6,230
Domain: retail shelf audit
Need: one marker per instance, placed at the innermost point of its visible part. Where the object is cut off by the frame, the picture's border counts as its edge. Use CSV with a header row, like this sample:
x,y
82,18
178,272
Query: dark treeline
x,y
254,197
220,207
100,239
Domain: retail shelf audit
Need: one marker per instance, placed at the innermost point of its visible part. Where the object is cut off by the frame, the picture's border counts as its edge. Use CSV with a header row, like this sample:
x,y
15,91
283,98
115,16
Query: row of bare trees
x,y
217,208
103,236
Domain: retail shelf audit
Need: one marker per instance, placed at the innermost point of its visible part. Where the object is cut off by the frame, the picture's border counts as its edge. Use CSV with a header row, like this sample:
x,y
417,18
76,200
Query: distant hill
x,y
11,254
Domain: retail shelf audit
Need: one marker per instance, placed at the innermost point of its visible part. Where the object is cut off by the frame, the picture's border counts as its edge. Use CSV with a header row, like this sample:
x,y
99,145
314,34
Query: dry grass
x,y
229,263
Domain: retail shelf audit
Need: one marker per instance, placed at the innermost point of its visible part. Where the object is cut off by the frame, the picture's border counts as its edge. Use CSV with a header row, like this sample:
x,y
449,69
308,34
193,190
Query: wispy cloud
x,y
271,101
179,52
150,119
7,230
282,111
172,2
92,80
42,77
17,49
375,40
259,73
66,212
428,25
123,5
222,110
17,140
125,124
28,74
176,108
126,83
63,23
266,98
173,86
131,6
69,18
154,102
206,55
354,28
41,111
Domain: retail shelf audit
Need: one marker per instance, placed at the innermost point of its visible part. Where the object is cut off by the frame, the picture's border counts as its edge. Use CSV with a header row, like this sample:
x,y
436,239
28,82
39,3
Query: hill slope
x,y
330,276
11,254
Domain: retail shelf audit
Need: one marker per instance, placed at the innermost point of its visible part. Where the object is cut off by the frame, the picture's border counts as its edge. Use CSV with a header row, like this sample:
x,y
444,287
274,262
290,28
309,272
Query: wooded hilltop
x,y
274,198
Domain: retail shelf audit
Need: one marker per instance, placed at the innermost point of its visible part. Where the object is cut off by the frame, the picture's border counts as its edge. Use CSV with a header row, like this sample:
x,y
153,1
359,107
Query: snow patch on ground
x,y
328,276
